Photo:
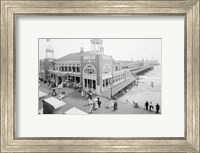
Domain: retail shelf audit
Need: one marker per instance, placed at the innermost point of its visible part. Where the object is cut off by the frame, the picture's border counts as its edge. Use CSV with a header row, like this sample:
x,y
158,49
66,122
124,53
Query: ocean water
x,y
152,76
144,91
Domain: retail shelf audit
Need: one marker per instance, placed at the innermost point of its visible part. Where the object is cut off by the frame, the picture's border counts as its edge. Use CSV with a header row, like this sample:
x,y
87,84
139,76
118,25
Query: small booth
x,y
51,105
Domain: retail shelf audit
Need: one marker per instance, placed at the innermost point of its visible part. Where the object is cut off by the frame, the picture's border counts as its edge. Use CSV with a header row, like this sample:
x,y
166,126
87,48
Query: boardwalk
x,y
74,99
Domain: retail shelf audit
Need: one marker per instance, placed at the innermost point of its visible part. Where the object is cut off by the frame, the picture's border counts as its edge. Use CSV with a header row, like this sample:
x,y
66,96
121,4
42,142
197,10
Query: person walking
x,y
93,105
115,105
54,93
90,107
110,103
151,84
157,108
99,102
89,96
146,105
96,104
61,97
150,106
82,93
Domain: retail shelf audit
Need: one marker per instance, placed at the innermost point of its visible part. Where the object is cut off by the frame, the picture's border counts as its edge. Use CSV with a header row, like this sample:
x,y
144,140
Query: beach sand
x,y
142,93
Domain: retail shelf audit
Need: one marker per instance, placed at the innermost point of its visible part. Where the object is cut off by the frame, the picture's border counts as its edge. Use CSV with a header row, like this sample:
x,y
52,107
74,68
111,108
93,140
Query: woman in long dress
x,y
96,104
82,93
90,107
110,103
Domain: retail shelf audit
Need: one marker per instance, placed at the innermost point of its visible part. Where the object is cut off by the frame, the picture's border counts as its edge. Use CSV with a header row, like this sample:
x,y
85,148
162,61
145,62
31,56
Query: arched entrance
x,y
59,80
89,78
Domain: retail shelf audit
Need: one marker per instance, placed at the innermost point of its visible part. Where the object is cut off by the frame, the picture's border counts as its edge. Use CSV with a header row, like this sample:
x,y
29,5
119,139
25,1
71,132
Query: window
x,y
78,69
113,79
73,69
104,83
85,82
89,70
106,69
94,84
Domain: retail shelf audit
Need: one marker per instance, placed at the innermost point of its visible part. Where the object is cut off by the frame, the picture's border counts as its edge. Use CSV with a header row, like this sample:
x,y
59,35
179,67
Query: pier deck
x,y
141,70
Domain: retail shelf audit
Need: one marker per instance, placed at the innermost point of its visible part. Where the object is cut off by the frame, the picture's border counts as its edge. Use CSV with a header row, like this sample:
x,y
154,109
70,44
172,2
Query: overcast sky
x,y
120,49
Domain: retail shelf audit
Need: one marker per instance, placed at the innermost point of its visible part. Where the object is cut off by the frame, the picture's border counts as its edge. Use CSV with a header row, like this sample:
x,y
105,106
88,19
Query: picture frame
x,y
11,9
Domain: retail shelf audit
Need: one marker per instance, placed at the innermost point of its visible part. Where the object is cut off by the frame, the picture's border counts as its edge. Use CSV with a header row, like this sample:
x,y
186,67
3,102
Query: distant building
x,y
153,62
46,64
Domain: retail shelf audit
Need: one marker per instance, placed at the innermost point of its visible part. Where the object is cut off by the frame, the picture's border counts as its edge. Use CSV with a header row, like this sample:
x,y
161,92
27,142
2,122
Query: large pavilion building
x,y
94,70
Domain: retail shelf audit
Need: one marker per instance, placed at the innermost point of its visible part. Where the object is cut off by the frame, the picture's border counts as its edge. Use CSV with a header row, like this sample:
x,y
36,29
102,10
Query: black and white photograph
x,y
89,76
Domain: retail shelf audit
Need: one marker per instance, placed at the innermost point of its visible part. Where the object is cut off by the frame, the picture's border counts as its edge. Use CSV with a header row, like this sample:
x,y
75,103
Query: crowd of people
x,y
93,105
96,103
149,106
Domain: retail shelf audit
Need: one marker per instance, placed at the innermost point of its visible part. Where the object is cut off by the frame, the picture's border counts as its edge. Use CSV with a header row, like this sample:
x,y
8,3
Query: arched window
x,y
106,69
89,69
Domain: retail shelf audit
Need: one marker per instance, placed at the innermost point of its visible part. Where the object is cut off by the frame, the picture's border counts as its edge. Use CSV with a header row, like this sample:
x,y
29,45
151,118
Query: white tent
x,y
75,111
54,102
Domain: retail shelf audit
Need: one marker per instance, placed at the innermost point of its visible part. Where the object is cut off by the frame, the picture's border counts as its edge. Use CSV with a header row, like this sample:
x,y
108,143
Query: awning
x,y
58,73
75,111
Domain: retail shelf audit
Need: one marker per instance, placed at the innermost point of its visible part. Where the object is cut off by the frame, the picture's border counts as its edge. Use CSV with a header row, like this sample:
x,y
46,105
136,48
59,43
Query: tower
x,y
49,50
97,46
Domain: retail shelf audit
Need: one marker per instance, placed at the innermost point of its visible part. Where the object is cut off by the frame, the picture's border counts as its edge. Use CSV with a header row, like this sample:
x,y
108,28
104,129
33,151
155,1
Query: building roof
x,y
73,56
114,62
54,102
